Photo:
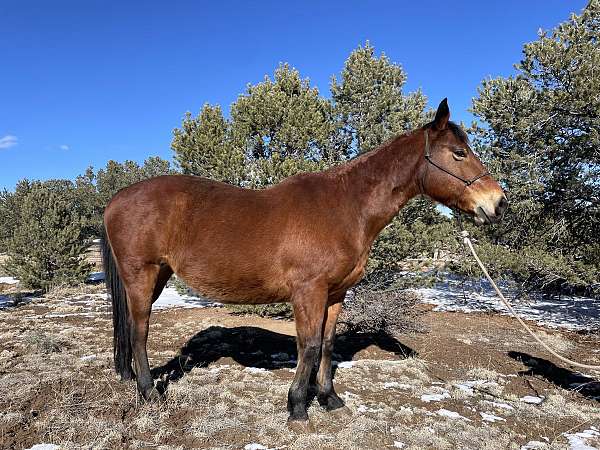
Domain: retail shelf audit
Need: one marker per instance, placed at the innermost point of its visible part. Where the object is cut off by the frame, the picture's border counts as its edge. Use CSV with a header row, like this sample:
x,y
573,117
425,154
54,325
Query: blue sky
x,y
85,82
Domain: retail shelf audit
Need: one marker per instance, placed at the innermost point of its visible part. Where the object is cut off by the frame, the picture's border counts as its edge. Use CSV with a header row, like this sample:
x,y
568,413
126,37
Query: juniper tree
x,y
283,126
203,147
370,102
116,176
372,107
541,134
47,244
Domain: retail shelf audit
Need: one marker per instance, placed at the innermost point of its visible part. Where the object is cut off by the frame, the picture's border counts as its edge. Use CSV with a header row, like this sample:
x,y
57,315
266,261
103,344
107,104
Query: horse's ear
x,y
442,116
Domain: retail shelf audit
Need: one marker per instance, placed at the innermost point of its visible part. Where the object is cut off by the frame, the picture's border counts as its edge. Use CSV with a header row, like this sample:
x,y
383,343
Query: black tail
x,y
120,311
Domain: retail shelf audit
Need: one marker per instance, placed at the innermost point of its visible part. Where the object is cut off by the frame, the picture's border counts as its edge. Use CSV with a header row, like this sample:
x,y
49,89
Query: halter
x,y
433,163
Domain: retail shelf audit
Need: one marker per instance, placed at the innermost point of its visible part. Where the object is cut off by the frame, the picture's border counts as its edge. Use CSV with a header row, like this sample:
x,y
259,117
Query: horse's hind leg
x,y
140,283
309,304
326,394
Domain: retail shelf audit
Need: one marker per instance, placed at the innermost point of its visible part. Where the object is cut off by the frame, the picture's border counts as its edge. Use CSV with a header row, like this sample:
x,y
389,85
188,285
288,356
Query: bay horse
x,y
305,241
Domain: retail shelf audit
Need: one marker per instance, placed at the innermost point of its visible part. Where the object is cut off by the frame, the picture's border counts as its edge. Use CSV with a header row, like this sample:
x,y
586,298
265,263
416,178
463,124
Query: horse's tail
x,y
120,311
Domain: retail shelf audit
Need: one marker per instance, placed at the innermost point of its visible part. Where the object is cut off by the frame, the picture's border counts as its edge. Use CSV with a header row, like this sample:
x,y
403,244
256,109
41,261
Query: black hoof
x,y
331,401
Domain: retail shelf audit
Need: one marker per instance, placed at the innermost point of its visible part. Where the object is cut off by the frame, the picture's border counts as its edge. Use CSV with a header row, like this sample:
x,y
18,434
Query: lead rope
x,y
465,235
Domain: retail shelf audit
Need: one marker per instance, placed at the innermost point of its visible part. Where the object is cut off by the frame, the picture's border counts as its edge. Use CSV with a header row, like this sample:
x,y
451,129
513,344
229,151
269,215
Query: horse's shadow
x,y
257,347
564,378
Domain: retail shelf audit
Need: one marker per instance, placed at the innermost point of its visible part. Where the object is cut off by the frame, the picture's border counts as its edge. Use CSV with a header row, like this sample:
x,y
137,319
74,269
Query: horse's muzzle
x,y
488,215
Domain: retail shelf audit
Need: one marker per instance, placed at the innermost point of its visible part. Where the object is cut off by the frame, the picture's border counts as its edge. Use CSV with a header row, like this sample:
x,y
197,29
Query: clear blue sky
x,y
82,82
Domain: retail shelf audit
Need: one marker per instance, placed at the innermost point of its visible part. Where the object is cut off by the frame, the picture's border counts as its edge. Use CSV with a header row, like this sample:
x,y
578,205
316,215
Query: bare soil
x,y
459,385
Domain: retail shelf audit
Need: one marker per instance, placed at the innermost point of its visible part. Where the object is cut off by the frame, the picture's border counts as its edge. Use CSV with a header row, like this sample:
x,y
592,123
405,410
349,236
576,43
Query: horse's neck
x,y
383,181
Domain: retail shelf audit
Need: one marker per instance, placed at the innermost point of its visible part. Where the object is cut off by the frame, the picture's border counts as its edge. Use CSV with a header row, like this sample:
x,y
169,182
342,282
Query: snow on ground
x,y
451,414
453,293
435,397
466,295
585,440
44,447
532,400
170,298
8,280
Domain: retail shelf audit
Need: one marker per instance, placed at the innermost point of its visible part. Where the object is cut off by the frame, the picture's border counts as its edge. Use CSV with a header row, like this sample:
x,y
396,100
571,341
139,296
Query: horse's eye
x,y
459,153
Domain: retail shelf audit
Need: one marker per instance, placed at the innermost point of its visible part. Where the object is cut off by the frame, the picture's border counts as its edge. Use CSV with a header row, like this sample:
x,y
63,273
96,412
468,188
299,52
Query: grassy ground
x,y
461,385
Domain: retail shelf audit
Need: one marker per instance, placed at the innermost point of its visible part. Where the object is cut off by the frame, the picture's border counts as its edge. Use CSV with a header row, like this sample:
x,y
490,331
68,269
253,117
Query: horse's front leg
x,y
309,302
325,392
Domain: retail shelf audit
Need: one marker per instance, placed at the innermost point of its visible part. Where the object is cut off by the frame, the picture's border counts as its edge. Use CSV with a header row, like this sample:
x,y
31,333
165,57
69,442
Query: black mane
x,y
456,130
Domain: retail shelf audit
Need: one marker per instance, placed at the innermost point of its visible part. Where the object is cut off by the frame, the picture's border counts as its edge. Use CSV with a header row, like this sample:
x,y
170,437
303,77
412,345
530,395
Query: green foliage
x,y
47,244
534,268
203,147
369,101
274,310
46,227
116,176
541,136
400,240
9,211
278,128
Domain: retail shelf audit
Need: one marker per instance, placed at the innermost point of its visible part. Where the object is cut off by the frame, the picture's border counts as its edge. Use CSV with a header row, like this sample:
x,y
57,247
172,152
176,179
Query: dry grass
x,y
57,385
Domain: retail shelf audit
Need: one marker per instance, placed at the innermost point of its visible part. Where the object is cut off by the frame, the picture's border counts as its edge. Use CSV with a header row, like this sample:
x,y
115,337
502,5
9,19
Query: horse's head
x,y
453,175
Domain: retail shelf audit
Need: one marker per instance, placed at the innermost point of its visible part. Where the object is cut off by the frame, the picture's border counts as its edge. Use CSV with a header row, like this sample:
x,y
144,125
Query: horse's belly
x,y
230,283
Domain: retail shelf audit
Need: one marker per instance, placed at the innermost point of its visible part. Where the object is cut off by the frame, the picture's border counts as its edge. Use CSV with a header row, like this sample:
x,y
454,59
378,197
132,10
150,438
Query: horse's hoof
x,y
152,396
300,426
331,402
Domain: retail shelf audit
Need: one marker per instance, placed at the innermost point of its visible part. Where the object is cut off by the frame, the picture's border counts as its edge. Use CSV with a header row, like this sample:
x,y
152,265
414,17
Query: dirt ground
x,y
473,381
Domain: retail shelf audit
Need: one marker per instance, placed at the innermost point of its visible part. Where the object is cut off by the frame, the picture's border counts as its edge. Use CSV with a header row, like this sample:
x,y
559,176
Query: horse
x,y
305,240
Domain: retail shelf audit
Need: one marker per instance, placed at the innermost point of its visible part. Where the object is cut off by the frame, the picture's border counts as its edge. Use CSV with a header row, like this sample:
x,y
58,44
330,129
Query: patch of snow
x,y
534,445
395,384
258,370
569,312
467,389
280,356
399,444
451,414
44,447
491,418
11,280
170,298
344,364
96,276
499,404
255,446
581,440
364,408
532,400
88,358
435,397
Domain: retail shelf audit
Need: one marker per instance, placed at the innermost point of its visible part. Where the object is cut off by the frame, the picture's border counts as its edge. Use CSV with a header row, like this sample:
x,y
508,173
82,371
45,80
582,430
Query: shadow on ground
x,y
257,347
564,378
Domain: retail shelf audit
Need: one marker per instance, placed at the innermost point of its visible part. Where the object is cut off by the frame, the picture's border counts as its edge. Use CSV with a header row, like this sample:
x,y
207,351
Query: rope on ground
x,y
467,241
